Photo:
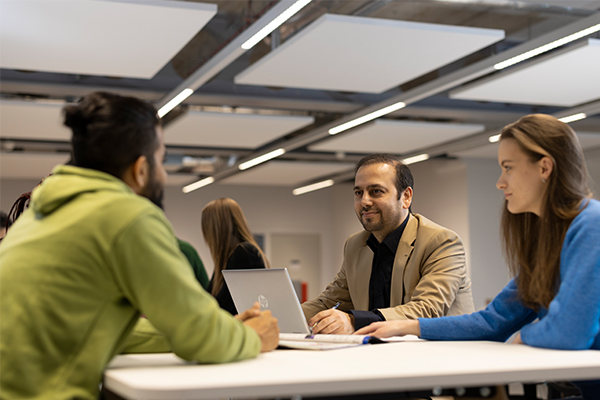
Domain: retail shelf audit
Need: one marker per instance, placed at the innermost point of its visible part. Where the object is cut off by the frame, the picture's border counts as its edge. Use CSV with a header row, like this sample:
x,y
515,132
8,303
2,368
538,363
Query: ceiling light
x,y
261,159
175,102
276,23
547,47
313,187
494,139
197,185
416,159
573,118
366,118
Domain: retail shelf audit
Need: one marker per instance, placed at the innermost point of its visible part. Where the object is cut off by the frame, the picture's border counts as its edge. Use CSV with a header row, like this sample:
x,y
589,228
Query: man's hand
x,y
252,312
391,328
266,327
332,321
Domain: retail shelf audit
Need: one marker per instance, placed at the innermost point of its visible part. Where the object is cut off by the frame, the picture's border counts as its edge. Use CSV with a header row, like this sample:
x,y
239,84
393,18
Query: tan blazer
x,y
429,277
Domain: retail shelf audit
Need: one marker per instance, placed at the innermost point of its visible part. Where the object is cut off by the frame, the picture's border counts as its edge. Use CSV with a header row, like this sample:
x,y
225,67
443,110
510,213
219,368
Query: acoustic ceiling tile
x,y
120,38
360,54
588,140
32,120
393,136
567,78
286,173
210,129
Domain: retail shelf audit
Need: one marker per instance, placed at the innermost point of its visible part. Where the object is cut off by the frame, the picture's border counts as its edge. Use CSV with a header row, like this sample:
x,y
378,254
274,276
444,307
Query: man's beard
x,y
154,191
371,226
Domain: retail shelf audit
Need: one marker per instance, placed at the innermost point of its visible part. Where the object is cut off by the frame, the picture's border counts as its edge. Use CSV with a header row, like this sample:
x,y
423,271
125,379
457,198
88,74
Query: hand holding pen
x,y
332,321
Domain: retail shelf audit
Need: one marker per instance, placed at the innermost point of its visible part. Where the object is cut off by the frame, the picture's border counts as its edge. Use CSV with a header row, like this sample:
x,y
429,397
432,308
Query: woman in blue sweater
x,y
551,237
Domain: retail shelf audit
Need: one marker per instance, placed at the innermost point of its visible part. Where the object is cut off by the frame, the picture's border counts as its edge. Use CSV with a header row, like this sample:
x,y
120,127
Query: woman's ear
x,y
546,167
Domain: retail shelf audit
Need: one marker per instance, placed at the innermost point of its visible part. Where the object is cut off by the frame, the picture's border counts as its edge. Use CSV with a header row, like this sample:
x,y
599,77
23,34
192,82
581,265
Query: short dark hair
x,y
404,178
110,132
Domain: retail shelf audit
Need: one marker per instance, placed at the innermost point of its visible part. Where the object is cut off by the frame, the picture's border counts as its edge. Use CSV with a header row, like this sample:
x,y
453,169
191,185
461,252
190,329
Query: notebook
x,y
274,290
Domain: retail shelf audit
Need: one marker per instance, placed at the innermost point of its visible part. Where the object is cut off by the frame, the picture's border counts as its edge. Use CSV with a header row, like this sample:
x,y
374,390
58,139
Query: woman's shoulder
x,y
590,212
247,247
245,255
588,220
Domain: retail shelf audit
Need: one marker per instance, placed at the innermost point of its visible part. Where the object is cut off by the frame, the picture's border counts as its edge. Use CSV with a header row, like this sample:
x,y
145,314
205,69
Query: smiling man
x,y
402,266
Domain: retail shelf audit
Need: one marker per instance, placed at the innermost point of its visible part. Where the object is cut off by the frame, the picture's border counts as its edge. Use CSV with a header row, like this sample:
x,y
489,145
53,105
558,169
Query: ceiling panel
x,y
107,38
29,120
180,179
209,129
566,79
399,137
286,173
29,165
588,140
360,54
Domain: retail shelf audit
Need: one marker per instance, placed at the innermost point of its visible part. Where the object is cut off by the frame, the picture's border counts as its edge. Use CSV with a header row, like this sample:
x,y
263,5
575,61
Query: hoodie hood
x,y
67,182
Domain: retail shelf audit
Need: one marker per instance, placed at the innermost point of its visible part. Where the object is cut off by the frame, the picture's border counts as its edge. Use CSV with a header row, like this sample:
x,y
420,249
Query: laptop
x,y
273,289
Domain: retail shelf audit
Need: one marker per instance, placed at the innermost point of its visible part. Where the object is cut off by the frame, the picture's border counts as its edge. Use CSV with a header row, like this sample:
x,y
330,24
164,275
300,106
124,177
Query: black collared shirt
x,y
380,283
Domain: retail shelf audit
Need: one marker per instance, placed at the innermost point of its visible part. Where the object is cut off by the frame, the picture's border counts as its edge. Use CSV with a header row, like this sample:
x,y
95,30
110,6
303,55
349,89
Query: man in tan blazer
x,y
402,266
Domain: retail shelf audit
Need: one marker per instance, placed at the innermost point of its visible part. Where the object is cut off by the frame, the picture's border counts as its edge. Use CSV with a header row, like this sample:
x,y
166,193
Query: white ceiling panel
x,y
360,54
103,37
29,165
566,79
29,120
399,137
286,173
588,140
209,129
180,179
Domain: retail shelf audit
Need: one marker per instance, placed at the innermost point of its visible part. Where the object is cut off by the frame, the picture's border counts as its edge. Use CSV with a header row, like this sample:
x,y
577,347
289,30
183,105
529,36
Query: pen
x,y
332,308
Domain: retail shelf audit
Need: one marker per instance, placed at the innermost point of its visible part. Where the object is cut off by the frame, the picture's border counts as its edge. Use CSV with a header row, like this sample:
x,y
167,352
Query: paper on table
x,y
323,342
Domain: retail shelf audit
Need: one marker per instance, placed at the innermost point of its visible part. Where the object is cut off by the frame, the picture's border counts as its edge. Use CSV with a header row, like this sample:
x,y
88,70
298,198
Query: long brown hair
x,y
224,227
532,244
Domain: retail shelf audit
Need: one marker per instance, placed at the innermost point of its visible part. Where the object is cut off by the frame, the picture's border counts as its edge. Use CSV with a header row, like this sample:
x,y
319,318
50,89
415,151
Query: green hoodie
x,y
77,269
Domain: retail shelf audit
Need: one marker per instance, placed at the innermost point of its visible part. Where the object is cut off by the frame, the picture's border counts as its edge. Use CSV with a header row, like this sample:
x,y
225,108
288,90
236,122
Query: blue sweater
x,y
572,322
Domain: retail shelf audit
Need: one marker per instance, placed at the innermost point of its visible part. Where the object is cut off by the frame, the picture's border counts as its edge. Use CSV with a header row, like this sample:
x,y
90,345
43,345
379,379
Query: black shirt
x,y
380,283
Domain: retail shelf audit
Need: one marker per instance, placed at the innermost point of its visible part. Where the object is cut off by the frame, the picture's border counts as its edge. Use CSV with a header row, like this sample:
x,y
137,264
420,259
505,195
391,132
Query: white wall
x,y
489,273
267,209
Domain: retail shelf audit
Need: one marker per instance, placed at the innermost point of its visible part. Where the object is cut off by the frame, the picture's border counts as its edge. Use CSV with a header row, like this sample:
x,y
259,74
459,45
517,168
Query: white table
x,y
364,369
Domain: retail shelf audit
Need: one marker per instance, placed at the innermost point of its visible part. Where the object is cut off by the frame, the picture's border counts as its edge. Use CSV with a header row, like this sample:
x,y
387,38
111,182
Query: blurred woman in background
x,y
231,245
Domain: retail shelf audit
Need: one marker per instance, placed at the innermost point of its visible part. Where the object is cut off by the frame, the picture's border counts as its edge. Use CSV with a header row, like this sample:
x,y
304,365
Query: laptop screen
x,y
274,290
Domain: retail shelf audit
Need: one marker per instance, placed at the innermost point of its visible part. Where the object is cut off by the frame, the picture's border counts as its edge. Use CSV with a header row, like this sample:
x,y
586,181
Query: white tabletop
x,y
363,369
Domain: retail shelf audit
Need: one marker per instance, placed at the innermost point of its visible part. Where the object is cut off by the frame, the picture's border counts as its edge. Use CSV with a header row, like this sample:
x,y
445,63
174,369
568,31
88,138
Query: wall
x,y
489,273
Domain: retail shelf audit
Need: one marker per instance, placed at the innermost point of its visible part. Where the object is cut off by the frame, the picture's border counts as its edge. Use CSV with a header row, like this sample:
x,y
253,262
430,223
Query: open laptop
x,y
273,289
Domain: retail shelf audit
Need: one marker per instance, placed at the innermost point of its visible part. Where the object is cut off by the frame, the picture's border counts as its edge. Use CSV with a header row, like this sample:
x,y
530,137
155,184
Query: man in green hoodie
x,y
92,253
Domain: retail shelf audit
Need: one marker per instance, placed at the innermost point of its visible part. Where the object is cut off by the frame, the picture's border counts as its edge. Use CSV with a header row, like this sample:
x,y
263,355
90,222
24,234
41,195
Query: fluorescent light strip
x,y
366,118
416,159
547,47
197,185
494,139
313,187
261,159
573,118
271,26
185,93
